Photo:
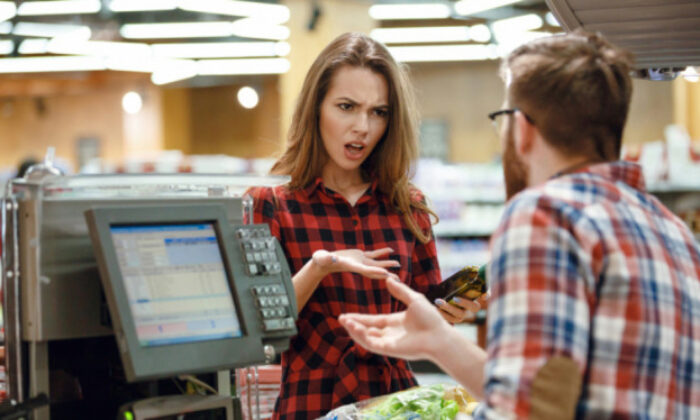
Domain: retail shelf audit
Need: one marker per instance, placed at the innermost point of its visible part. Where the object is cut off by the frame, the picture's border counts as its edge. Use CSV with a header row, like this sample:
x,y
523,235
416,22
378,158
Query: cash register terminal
x,y
189,293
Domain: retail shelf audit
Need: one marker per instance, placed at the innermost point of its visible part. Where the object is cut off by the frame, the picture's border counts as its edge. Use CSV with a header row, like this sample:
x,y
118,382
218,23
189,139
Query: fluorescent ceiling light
x,y
551,20
518,24
132,64
59,7
34,46
470,7
60,45
444,53
50,64
421,34
691,74
176,30
409,11
6,47
255,28
141,5
51,30
221,49
5,28
510,40
8,10
242,66
173,70
271,13
480,33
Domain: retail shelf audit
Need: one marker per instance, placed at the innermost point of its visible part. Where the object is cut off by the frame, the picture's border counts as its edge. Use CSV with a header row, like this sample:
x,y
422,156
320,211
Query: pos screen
x,y
177,288
176,283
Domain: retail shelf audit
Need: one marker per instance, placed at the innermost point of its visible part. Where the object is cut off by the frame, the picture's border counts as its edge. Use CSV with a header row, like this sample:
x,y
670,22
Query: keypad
x,y
273,307
259,250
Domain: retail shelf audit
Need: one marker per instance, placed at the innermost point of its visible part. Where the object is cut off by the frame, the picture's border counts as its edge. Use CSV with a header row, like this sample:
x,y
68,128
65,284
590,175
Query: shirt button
x,y
354,222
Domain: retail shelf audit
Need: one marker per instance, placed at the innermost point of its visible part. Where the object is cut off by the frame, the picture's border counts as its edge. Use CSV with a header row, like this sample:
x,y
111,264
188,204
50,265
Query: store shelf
x,y
460,228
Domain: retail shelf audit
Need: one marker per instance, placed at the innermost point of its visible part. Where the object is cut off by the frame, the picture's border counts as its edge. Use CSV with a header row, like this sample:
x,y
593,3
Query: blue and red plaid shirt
x,y
323,367
591,267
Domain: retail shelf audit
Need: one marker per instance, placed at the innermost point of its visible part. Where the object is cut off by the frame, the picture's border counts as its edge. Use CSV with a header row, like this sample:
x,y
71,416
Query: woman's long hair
x,y
390,161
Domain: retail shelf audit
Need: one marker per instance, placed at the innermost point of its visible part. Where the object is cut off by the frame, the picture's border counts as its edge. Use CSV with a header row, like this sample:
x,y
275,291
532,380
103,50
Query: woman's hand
x,y
371,264
461,308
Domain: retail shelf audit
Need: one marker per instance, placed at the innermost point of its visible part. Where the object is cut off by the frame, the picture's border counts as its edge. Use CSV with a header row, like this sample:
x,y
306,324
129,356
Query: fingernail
x,y
456,299
439,302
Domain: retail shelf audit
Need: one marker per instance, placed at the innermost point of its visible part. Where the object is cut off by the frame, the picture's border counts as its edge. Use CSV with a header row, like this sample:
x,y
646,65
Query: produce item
x,y
469,281
434,402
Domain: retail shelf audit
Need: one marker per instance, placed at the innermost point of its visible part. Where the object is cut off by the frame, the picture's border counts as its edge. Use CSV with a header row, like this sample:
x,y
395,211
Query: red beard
x,y
515,171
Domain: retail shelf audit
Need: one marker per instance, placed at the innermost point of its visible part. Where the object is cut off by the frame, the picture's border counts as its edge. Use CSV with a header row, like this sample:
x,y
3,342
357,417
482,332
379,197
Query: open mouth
x,y
355,147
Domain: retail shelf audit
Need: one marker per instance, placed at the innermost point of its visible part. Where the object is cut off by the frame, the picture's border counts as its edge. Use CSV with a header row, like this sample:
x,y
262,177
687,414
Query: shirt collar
x,y
317,184
619,171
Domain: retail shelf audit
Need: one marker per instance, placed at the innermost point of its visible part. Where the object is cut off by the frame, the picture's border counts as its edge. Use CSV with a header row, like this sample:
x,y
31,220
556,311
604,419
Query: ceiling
x,y
224,38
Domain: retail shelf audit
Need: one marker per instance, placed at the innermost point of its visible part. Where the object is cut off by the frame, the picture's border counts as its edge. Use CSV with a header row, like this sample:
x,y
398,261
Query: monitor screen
x,y
176,283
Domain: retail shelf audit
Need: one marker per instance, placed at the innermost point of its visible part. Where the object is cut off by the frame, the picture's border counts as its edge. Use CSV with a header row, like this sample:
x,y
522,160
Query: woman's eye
x,y
381,113
345,106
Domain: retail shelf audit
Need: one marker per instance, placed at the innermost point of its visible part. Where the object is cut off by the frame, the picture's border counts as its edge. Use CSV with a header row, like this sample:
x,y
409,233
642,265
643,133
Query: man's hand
x,y
415,333
367,263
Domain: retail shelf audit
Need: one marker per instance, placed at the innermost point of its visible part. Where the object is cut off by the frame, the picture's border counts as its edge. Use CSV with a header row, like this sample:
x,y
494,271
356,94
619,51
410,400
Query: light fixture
x,y
176,30
470,7
141,5
517,24
8,10
132,102
5,28
421,34
270,13
409,11
7,46
132,64
510,40
551,19
435,53
480,33
51,30
248,97
34,46
63,45
169,71
59,7
221,49
691,74
242,66
50,64
255,28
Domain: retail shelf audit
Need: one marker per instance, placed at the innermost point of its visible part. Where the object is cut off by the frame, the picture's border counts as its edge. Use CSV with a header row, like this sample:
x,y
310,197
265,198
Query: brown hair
x,y
576,88
390,161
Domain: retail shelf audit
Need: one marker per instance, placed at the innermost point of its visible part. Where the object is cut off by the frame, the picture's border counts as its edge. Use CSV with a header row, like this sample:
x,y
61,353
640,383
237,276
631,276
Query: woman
x,y
347,220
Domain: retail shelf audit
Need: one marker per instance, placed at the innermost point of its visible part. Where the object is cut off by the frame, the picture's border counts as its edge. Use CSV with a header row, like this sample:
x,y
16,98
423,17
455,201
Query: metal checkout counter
x,y
115,285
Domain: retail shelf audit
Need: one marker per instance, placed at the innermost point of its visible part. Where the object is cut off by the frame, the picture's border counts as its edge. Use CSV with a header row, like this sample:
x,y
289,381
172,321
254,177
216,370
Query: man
x,y
595,285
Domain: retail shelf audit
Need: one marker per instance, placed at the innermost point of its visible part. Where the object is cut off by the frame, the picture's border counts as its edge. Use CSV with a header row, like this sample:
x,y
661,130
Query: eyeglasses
x,y
493,116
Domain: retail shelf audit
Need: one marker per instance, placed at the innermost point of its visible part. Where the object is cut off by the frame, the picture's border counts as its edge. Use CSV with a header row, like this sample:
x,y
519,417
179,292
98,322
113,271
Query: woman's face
x,y
353,117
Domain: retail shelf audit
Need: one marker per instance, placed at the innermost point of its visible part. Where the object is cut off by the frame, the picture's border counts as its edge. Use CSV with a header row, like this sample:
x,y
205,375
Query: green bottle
x,y
469,282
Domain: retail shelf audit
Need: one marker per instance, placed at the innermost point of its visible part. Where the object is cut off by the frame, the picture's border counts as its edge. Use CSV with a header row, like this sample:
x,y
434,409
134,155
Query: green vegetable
x,y
422,403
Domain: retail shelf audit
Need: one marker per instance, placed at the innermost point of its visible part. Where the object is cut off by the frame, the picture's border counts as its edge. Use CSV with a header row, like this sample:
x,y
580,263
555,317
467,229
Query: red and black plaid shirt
x,y
323,367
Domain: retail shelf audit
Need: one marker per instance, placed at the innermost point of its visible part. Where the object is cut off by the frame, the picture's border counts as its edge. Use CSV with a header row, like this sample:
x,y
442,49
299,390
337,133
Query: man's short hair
x,y
576,88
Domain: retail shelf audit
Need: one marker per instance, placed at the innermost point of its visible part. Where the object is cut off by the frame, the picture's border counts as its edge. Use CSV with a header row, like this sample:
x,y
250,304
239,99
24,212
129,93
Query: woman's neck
x,y
349,184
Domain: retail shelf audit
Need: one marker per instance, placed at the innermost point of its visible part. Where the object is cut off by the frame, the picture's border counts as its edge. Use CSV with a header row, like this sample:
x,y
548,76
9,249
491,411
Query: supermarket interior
x,y
108,95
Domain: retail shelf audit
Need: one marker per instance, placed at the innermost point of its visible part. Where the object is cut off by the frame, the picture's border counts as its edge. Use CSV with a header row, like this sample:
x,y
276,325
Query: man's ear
x,y
525,133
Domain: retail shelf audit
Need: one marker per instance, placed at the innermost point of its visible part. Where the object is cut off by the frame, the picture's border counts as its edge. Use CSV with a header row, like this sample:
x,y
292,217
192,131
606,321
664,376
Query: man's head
x,y
573,91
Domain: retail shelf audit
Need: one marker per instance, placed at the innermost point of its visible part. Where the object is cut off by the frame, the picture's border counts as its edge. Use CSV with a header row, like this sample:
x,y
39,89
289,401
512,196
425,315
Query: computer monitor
x,y
180,291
